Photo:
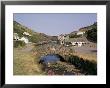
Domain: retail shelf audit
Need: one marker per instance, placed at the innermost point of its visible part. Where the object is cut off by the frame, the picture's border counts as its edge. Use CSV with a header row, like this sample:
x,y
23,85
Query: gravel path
x,y
28,48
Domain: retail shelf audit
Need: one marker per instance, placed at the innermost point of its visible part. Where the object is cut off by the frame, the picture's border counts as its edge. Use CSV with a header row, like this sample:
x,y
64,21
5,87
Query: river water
x,y
50,58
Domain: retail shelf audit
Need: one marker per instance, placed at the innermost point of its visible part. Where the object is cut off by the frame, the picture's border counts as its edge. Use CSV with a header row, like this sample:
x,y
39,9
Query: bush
x,y
74,36
91,35
90,67
19,44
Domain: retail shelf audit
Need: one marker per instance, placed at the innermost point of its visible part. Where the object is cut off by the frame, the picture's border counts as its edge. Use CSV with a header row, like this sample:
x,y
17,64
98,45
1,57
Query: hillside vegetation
x,y
90,33
35,36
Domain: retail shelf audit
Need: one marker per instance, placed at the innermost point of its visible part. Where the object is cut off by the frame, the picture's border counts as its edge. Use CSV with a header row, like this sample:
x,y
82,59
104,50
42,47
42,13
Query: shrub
x,y
19,44
90,67
74,36
91,35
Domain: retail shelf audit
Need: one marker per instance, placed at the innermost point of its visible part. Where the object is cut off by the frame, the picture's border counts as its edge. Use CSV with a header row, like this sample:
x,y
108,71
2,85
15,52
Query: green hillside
x,y
35,36
90,33
94,25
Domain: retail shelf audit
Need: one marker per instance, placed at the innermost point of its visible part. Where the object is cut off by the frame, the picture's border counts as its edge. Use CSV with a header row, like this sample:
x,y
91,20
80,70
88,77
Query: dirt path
x,y
28,48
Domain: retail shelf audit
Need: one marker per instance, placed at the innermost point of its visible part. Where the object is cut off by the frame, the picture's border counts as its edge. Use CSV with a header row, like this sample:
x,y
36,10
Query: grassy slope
x,y
24,63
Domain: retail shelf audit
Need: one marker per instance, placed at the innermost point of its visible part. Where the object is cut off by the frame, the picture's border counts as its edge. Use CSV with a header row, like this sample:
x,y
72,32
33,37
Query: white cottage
x,y
73,43
80,33
79,42
24,39
15,36
26,33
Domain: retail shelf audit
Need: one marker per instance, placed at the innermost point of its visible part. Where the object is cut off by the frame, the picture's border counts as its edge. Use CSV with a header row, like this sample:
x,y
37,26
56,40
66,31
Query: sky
x,y
55,23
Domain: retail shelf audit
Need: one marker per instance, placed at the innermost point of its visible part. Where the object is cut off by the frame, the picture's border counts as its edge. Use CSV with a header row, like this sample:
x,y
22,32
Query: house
x,y
80,32
24,39
61,39
26,33
79,44
73,43
79,41
15,36
83,30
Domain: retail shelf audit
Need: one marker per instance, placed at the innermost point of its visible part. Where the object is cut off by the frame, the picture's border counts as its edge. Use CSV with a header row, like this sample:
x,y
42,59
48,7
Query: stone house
x,y
61,39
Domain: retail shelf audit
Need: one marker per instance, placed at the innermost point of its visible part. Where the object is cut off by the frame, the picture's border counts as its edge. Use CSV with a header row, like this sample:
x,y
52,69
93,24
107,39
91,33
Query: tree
x,y
92,34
